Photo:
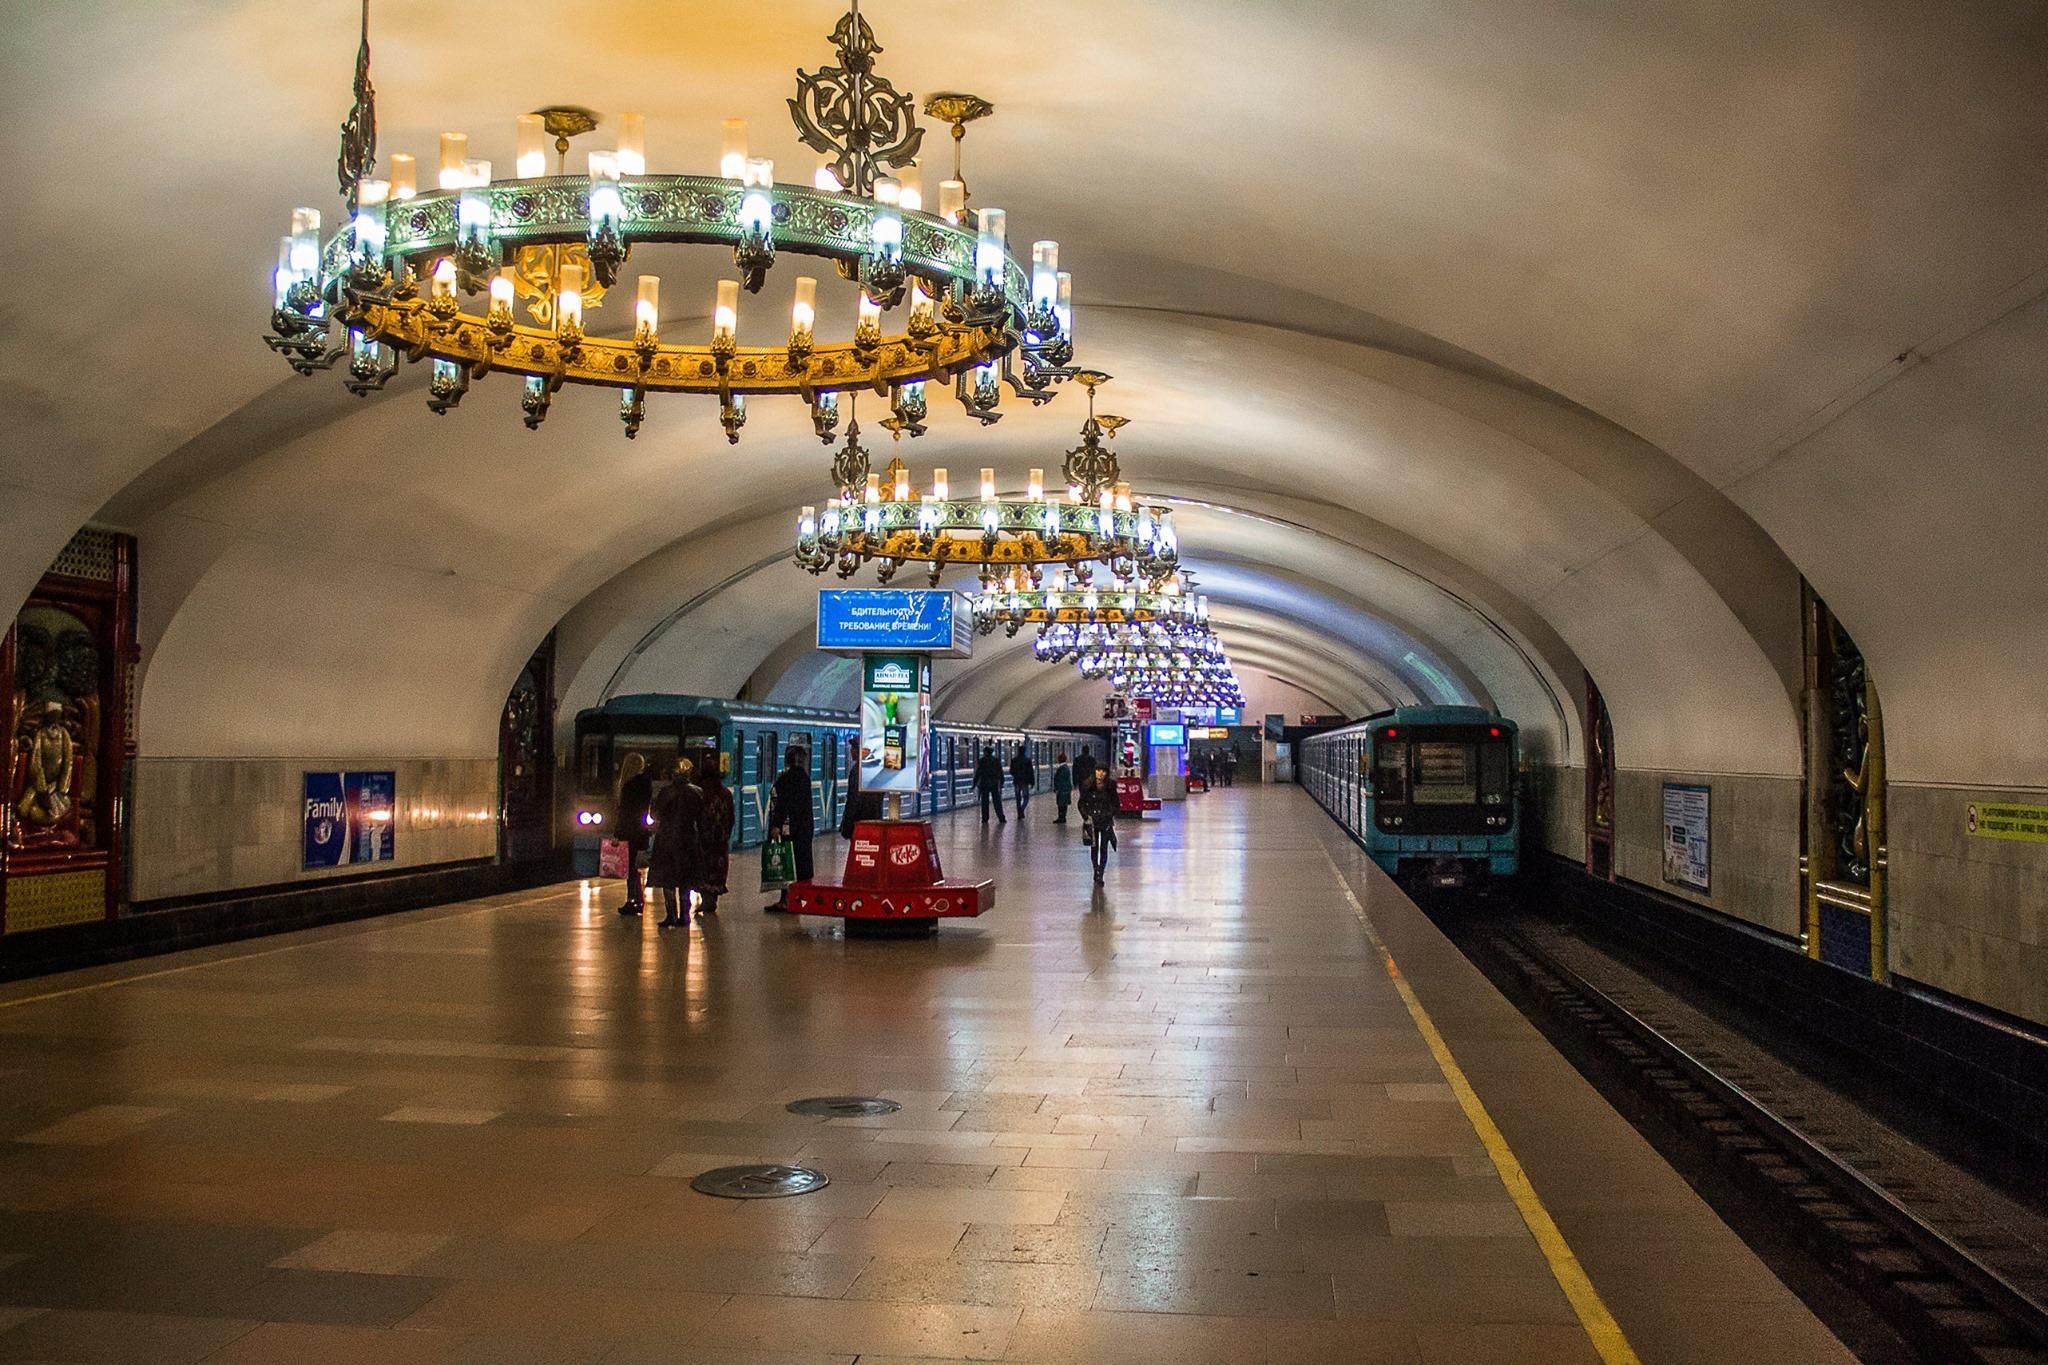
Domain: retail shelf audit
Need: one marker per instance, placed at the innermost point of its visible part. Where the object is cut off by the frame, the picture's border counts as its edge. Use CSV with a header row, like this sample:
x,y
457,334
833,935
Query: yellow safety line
x,y
1599,1324
10,1003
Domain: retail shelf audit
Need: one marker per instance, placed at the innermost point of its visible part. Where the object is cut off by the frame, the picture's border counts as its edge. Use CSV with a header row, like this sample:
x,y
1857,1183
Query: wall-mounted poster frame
x,y
1688,841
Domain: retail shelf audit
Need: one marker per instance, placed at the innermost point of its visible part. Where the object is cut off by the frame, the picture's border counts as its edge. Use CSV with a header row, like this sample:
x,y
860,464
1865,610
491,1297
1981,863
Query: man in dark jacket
x,y
1084,764
1023,777
988,780
636,794
789,813
1062,787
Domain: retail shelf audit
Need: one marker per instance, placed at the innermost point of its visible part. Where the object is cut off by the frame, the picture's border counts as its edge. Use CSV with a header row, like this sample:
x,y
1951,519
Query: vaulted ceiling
x,y
1483,344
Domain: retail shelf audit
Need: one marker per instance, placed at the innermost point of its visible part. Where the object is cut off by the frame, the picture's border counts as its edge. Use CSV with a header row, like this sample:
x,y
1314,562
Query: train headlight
x,y
589,817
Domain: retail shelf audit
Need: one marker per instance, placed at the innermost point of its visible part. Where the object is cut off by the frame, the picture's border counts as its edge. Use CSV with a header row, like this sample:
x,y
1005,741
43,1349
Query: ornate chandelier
x,y
1014,603
1062,640
392,285
881,518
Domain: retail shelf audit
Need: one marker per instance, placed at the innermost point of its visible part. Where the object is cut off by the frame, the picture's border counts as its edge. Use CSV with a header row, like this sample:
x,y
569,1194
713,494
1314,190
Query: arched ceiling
x,y
1481,343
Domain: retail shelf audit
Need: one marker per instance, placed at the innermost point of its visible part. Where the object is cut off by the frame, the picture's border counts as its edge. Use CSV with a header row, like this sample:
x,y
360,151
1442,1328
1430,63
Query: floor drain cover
x,y
843,1106
759,1182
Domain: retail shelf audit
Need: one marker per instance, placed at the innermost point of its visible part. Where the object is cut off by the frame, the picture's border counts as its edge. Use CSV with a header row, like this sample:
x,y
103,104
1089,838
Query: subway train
x,y
748,741
1430,791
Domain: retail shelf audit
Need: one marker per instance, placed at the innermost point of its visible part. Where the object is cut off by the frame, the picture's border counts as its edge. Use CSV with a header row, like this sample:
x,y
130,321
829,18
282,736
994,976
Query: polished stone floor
x,y
1187,1118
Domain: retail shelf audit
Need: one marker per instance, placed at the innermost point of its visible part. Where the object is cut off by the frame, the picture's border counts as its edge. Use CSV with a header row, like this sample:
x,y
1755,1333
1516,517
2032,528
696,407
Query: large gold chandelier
x,y
394,283
882,519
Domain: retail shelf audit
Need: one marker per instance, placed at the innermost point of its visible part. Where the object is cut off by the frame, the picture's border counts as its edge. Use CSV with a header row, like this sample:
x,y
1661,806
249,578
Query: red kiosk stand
x,y
893,884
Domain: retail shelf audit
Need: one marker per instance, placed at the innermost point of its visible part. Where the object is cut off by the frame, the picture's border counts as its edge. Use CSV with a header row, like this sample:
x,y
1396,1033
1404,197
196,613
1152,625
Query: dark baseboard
x,y
1902,1046
172,924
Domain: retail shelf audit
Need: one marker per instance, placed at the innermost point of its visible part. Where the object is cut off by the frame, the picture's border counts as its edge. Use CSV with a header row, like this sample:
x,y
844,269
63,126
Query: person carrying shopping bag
x,y
790,816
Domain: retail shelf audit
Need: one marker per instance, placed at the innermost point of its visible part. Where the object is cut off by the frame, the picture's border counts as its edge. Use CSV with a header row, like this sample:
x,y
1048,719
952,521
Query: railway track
x,y
1954,1283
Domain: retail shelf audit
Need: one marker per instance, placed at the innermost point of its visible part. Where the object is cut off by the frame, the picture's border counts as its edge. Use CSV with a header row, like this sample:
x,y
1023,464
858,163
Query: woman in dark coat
x,y
636,794
789,814
717,838
860,805
675,860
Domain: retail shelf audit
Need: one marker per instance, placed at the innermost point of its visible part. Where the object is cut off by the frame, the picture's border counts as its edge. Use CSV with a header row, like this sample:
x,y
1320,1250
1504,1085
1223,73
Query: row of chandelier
x,y
1094,567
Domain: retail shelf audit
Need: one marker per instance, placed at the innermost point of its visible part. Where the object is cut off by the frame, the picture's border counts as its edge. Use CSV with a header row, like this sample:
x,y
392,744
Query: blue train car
x,y
1430,791
748,742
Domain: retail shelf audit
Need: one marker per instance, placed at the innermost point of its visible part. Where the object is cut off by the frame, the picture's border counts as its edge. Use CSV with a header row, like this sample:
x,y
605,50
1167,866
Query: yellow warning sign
x,y
2026,823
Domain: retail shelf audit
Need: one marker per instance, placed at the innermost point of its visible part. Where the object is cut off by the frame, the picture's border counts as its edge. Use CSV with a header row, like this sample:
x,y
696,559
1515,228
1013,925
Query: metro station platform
x,y
1196,1117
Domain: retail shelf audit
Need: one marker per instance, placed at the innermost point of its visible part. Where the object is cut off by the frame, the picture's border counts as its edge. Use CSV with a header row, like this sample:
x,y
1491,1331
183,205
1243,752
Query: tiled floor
x,y
1186,1119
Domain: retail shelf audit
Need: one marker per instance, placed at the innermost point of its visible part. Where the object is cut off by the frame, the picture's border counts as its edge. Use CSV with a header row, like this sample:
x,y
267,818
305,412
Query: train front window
x,y
590,765
1390,771
1445,774
1493,774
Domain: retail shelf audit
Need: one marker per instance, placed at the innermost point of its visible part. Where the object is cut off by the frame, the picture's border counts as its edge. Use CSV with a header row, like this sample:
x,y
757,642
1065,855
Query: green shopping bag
x,y
778,863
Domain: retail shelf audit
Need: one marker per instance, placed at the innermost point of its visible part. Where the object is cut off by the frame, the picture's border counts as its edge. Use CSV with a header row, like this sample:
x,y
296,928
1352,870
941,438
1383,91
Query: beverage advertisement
x,y
894,701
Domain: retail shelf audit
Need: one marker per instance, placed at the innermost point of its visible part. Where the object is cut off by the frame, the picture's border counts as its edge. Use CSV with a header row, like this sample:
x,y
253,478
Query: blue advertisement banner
x,y
923,619
350,818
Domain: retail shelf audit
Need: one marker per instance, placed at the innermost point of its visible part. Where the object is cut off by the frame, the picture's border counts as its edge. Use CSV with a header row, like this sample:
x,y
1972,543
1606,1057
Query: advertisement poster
x,y
350,818
928,620
1687,857
894,695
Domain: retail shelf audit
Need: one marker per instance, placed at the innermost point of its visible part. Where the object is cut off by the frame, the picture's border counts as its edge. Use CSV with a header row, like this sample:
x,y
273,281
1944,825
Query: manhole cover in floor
x,y
759,1182
843,1106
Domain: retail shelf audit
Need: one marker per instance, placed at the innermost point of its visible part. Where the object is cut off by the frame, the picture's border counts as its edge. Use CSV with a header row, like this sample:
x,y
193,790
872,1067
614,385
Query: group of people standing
x,y
1214,766
685,832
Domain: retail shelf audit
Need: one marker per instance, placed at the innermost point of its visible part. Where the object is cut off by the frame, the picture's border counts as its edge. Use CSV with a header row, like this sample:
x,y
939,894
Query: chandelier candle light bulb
x,y
647,309
370,221
952,199
530,160
632,144
989,249
444,278
732,156
825,178
454,152
755,209
988,484
803,312
902,489
405,176
569,303
940,489
1045,271
911,198
725,317
501,291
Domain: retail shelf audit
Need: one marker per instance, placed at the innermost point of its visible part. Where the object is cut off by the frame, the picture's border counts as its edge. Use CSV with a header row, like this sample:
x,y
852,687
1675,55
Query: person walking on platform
x,y
1023,778
675,859
717,831
790,817
1098,815
1062,786
636,795
1084,764
1230,767
988,780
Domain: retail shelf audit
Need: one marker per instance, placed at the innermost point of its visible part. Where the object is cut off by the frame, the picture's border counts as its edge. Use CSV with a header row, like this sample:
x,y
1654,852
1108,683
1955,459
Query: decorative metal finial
x,y
852,114
359,130
1091,465
958,109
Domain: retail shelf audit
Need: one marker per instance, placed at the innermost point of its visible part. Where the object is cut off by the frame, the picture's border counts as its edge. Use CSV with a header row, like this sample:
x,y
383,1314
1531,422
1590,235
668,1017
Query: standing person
x,y
789,814
1062,785
1084,764
717,838
1098,811
988,780
1230,767
860,805
1023,778
636,795
675,859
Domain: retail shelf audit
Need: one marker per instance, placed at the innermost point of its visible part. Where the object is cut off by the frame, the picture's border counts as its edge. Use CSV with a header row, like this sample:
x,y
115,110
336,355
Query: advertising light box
x,y
894,722
928,620
1163,736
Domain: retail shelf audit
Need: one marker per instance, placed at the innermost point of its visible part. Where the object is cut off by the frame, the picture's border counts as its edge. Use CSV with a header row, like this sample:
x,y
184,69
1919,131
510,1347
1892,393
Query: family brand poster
x,y
350,818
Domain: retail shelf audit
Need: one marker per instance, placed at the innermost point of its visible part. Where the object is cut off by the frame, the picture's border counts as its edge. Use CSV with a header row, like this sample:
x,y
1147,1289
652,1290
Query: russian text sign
x,y
929,620
1688,853
1997,820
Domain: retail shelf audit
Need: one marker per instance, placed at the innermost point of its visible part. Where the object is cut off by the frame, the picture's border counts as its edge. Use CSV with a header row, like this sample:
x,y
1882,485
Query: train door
x,y
767,758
